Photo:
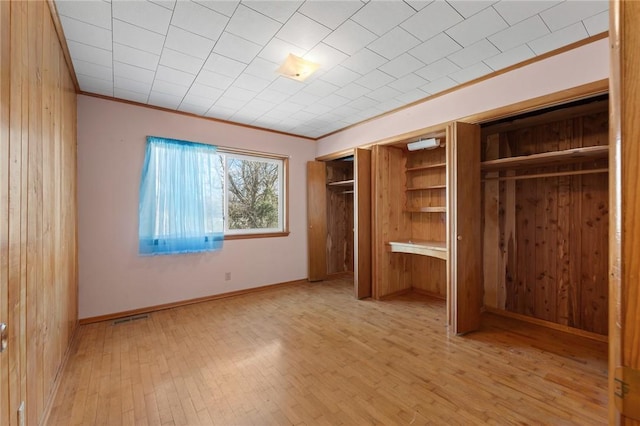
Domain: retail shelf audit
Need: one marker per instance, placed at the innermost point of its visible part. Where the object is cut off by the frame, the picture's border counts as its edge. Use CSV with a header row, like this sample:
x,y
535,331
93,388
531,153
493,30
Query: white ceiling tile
x,y
263,69
412,96
180,61
304,98
352,91
134,73
521,33
93,70
334,101
345,111
277,51
381,16
278,10
394,43
138,58
131,85
192,108
169,88
384,94
130,95
473,54
402,65
139,38
510,57
467,8
220,112
477,27
198,19
86,33
516,11
350,37
418,5
188,43
431,20
439,85
174,76
317,109
374,79
438,69
286,85
252,25
597,24
84,52
164,100
330,14
271,95
320,88
213,79
570,12
226,7
558,39
204,91
95,85
364,61
436,48
237,48
195,99
167,4
340,76
260,105
303,31
326,56
363,103
223,65
91,12
143,14
389,105
408,83
251,82
231,103
471,73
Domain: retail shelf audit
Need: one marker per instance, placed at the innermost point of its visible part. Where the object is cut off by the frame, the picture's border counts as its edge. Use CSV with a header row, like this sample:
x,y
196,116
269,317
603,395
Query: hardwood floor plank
x,y
310,354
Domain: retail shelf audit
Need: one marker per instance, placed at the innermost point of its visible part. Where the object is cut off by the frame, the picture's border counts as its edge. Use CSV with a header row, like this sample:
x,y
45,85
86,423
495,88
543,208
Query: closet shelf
x,y
436,249
548,158
341,183
428,210
427,167
427,187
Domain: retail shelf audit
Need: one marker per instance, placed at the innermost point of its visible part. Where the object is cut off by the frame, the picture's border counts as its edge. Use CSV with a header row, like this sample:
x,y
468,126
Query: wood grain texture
x,y
312,354
625,225
316,220
38,229
362,223
340,216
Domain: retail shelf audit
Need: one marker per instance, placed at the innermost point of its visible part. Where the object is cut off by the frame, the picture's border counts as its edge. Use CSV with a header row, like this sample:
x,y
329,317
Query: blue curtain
x,y
181,198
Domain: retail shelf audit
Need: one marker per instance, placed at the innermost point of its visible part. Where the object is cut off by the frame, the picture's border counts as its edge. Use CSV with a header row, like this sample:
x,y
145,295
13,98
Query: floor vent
x,y
131,318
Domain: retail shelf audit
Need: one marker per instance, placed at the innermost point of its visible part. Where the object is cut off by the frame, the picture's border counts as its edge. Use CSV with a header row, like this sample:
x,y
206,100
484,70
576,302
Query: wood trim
x,y
544,56
257,235
149,309
548,324
63,43
541,175
188,114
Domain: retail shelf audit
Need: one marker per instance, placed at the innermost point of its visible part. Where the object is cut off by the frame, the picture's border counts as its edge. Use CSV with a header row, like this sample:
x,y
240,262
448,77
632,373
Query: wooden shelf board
x,y
435,249
341,183
422,188
428,210
429,166
548,158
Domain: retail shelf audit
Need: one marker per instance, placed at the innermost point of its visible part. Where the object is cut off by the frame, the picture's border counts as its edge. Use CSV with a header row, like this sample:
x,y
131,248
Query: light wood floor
x,y
310,354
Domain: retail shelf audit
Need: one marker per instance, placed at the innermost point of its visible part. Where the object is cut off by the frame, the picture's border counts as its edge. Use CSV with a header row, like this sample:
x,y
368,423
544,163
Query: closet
x,y
545,216
339,219
426,220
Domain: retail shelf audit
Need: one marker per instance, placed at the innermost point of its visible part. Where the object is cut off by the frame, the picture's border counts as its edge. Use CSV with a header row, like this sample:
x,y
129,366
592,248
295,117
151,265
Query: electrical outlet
x,y
227,276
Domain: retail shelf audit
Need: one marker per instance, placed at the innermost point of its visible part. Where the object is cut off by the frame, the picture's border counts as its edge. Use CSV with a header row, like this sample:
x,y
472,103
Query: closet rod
x,y
541,175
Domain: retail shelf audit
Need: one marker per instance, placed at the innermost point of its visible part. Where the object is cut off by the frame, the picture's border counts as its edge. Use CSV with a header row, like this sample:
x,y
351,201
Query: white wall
x,y
112,277
576,67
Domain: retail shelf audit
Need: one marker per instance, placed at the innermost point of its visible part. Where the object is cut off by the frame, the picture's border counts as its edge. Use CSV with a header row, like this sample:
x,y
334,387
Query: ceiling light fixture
x,y
424,144
297,68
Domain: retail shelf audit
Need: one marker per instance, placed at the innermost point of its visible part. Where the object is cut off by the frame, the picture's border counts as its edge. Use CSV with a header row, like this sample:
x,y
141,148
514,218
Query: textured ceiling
x,y
219,58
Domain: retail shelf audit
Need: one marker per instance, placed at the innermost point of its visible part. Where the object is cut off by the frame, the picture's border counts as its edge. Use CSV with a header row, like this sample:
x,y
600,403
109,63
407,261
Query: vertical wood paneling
x,y
38,216
317,220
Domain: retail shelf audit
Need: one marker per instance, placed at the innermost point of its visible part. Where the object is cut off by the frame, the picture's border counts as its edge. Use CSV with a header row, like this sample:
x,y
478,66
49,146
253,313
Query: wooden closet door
x,y
317,220
464,233
362,223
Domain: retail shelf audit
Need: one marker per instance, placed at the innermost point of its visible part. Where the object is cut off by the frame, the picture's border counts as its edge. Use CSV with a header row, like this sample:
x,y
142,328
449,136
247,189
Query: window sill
x,y
248,236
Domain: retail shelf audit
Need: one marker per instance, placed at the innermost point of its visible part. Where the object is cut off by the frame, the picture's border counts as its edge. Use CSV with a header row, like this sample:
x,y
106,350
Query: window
x,y
192,196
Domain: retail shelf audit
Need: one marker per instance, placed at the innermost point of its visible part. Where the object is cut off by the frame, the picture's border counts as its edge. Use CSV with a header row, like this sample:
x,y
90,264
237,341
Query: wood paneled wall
x,y
551,257
38,213
340,219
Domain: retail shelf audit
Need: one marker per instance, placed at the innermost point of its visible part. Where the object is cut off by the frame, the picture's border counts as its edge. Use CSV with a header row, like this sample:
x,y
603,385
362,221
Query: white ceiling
x,y
218,58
